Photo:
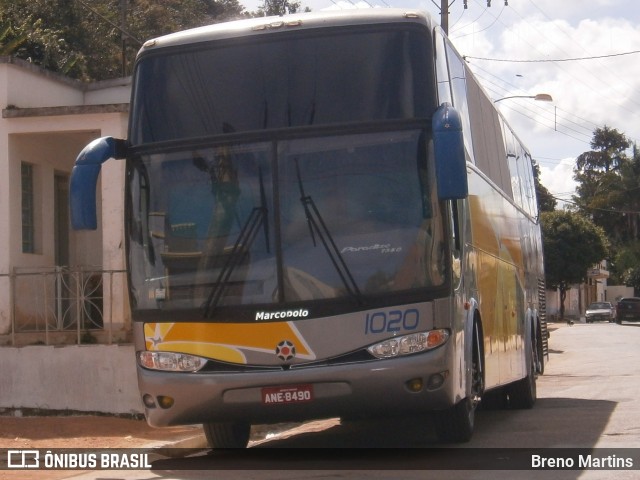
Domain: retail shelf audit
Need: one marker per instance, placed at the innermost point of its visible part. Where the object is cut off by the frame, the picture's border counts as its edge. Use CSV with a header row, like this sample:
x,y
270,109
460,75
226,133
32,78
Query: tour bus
x,y
325,217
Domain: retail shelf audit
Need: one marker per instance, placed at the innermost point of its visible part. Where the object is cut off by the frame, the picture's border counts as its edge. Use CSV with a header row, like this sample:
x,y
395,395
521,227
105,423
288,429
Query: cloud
x,y
587,94
558,178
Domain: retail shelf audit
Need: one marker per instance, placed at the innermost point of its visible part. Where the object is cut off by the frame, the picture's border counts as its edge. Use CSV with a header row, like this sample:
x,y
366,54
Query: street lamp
x,y
541,97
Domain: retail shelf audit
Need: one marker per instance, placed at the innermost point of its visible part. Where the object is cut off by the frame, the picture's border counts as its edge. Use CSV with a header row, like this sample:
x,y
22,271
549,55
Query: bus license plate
x,y
288,394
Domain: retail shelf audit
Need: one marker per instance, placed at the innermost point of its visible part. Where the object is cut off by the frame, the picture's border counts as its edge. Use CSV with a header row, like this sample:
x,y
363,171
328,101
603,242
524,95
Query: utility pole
x,y
444,15
444,12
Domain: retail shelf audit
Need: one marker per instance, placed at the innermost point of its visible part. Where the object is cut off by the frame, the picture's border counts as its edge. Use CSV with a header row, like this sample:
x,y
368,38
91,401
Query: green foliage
x,y
608,188
572,244
608,151
546,201
278,7
11,36
625,265
23,34
84,39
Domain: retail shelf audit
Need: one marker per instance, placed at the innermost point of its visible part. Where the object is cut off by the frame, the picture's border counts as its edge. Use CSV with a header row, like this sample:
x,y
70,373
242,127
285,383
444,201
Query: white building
x,y
579,296
56,284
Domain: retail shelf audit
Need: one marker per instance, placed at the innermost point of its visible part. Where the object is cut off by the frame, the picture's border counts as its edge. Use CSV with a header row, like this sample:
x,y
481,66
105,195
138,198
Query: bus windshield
x,y
351,217
283,80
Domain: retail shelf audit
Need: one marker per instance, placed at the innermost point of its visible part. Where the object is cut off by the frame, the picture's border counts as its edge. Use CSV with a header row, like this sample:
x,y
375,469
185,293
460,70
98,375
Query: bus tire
x,y
523,393
456,423
539,351
496,399
227,435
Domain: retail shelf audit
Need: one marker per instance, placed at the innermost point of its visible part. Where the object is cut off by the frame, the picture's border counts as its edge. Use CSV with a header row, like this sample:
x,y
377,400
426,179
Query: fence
x,y
52,303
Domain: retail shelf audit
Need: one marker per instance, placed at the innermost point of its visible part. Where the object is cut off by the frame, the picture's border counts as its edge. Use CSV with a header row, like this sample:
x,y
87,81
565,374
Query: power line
x,y
582,79
472,21
539,109
554,60
495,19
444,12
595,209
605,70
545,115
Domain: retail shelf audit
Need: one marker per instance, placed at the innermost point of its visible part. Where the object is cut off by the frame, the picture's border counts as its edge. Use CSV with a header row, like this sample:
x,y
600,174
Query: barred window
x,y
28,214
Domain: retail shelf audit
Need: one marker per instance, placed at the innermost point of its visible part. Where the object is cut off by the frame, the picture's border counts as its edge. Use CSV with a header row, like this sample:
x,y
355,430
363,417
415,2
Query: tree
x,y
546,201
625,265
279,7
11,36
608,189
608,151
98,39
572,244
34,37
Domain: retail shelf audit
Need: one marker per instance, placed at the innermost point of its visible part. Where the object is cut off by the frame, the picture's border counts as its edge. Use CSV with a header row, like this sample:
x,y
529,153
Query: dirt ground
x,y
84,432
54,432
101,432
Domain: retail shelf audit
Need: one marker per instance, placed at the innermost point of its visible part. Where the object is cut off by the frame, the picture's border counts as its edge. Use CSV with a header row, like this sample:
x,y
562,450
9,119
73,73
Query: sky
x,y
529,47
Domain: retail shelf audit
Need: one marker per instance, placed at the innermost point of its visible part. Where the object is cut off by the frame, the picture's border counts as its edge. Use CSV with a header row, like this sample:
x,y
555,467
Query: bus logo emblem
x,y
285,350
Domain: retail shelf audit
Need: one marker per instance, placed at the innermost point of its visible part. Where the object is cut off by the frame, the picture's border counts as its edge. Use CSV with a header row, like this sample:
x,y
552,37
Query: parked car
x,y
600,311
628,309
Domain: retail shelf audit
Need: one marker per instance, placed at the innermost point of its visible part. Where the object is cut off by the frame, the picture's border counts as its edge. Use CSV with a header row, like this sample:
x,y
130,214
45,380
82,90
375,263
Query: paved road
x,y
589,397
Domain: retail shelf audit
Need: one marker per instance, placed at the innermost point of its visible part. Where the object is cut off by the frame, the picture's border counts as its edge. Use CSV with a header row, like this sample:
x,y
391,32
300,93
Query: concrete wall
x,y
97,378
25,85
614,292
108,91
571,303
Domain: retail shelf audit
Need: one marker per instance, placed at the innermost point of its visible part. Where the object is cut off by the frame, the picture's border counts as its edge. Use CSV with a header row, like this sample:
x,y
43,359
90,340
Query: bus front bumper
x,y
412,384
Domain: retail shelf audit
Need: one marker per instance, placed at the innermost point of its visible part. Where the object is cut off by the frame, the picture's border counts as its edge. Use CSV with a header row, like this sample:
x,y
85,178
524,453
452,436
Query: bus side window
x,y
452,85
457,75
442,69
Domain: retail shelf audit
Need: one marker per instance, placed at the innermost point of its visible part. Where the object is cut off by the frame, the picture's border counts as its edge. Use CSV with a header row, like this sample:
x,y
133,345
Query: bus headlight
x,y
408,344
169,361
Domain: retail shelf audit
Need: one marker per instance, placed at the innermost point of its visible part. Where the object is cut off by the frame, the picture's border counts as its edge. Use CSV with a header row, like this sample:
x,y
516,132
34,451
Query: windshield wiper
x,y
257,218
319,228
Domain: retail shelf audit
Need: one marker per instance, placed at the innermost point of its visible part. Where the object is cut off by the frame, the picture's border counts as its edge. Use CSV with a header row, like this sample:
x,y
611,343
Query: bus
x,y
325,217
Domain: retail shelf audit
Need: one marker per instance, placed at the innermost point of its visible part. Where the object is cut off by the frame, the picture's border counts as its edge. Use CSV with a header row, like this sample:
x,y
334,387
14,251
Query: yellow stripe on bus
x,y
222,341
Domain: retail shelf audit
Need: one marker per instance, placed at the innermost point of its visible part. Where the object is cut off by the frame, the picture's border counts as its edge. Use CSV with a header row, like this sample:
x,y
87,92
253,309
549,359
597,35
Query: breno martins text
x,y
581,462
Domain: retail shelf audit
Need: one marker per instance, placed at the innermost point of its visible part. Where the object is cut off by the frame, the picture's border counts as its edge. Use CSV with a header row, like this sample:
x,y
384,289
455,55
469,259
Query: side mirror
x,y
448,146
84,180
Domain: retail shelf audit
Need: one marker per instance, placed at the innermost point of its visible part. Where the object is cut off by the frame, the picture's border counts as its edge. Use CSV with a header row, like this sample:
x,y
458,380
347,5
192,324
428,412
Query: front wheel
x,y
456,423
227,435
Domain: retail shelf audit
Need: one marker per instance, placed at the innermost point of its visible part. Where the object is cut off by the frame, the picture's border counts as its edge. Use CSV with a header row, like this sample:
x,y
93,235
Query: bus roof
x,y
261,25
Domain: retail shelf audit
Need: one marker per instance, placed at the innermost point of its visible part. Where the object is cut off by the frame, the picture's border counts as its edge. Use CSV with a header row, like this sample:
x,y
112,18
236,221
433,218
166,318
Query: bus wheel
x,y
227,435
539,352
523,393
456,424
496,399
